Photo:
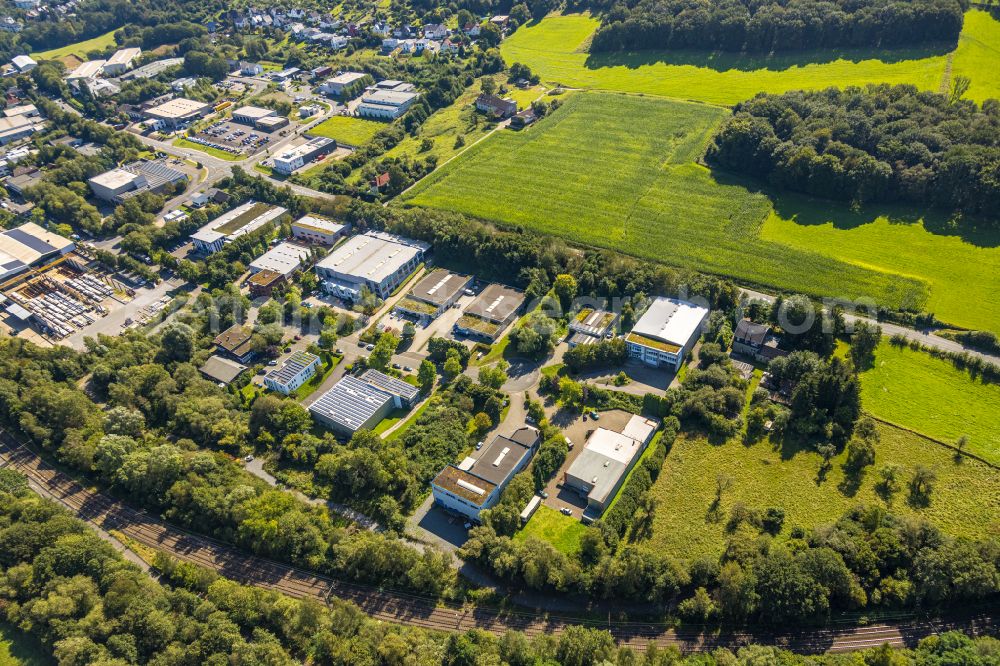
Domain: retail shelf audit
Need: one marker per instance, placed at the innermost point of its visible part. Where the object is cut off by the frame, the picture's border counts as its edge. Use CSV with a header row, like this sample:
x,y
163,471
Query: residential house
x,y
496,107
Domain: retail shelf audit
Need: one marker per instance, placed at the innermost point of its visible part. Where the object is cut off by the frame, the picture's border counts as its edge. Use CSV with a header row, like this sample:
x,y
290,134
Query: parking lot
x,y
236,138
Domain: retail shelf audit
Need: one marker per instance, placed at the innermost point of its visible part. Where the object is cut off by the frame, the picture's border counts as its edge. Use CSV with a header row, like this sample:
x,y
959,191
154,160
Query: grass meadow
x,y
556,49
965,500
587,174
347,129
79,49
549,525
929,395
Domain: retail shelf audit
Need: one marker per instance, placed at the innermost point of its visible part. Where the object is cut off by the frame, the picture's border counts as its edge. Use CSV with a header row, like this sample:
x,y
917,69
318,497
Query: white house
x,y
295,372
665,334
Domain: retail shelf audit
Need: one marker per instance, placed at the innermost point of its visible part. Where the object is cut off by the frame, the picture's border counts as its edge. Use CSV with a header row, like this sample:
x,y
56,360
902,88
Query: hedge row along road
x,y
107,514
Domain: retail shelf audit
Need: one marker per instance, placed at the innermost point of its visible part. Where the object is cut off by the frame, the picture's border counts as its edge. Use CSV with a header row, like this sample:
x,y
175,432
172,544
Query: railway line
x,y
400,607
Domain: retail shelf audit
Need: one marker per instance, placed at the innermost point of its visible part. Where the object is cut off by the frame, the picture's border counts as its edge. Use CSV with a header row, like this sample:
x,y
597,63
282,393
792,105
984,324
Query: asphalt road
x,y
104,513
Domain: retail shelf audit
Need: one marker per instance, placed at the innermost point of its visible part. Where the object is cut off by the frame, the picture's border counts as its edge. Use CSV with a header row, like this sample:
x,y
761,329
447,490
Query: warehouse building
x,y
356,403
434,294
121,61
318,230
23,63
476,483
251,115
129,180
176,112
606,459
238,222
284,259
379,261
492,311
272,123
338,84
383,104
14,128
295,158
86,70
295,372
665,334
29,245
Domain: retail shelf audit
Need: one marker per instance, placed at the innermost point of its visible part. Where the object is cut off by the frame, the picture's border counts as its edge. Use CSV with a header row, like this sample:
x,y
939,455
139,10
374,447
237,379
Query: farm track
x,y
398,607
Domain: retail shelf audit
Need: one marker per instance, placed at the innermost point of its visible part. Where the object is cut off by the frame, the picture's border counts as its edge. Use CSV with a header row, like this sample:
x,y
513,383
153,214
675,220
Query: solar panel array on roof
x,y
350,403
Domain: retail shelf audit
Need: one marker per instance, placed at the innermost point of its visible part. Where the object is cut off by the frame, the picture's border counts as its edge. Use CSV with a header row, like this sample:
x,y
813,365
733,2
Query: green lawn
x,y
556,49
208,150
99,43
395,416
347,129
307,389
965,500
549,525
18,649
588,174
916,390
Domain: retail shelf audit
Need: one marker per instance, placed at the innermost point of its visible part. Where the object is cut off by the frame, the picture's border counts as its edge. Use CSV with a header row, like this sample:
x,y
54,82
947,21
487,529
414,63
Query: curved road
x,y
107,514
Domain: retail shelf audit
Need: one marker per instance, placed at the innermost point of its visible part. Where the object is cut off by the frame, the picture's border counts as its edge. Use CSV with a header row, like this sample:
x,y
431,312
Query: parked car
x,y
338,351
543,494
407,368
248,459
272,362
594,415
397,366
569,443
370,347
479,446
566,511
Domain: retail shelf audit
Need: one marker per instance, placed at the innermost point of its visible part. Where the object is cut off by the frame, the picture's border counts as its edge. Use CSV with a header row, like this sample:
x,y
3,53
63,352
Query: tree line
x,y
878,143
766,27
61,584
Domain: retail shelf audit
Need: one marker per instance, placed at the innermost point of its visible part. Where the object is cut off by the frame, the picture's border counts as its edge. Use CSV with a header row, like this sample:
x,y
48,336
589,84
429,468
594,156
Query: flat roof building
x,y
386,104
298,369
178,111
284,259
23,63
666,332
289,160
129,180
86,70
433,294
251,115
18,127
476,483
376,260
356,403
314,229
29,245
240,221
599,470
491,312
591,325
263,283
121,61
337,84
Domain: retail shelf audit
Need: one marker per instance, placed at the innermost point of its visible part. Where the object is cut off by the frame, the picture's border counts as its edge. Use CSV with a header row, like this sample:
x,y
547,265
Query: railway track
x,y
400,607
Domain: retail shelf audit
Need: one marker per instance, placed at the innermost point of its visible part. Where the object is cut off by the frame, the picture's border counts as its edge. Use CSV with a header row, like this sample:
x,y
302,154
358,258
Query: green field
x,y
347,129
589,175
929,395
965,500
17,649
549,525
99,43
556,49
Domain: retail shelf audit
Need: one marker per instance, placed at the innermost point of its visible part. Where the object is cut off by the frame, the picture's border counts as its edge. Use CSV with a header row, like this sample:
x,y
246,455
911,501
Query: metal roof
x,y
496,303
671,320
350,403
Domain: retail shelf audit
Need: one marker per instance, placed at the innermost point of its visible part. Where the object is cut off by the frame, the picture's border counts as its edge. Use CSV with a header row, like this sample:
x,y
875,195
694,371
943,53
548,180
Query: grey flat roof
x,y
496,303
350,403
498,459
254,112
439,286
371,256
391,385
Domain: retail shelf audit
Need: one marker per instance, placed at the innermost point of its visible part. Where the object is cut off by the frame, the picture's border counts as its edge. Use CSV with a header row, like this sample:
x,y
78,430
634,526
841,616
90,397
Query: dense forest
x,y
764,27
878,143
73,592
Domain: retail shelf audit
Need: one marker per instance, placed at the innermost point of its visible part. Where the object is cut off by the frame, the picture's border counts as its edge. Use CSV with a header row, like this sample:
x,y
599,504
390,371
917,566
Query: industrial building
x,y
121,61
239,221
605,461
376,260
23,63
86,70
295,372
388,100
251,115
17,127
336,85
129,180
319,230
591,325
356,403
476,483
176,112
295,158
235,343
664,335
272,123
29,245
284,259
434,294
491,312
